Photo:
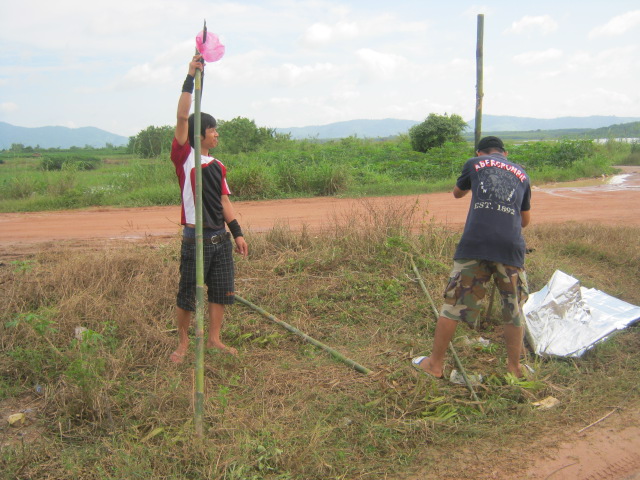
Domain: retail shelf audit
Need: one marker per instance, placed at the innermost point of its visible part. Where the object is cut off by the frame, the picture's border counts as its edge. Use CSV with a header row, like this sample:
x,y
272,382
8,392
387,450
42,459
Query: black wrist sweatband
x,y
187,86
234,228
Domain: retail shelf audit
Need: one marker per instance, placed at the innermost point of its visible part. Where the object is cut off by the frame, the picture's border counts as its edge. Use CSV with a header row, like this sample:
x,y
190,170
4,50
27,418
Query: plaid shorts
x,y
218,274
467,288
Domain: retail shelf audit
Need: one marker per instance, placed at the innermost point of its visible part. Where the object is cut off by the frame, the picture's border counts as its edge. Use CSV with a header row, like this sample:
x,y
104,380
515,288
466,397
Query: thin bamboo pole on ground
x,y
451,347
200,307
334,353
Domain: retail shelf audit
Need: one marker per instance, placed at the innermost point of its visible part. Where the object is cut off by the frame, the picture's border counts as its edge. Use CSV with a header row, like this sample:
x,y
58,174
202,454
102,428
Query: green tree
x,y
152,141
435,131
243,135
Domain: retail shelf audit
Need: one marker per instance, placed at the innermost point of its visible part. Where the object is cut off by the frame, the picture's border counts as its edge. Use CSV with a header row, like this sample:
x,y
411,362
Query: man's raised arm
x,y
184,103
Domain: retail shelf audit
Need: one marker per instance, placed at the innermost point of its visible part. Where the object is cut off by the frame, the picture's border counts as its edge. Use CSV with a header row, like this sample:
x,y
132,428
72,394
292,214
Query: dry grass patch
x,y
110,405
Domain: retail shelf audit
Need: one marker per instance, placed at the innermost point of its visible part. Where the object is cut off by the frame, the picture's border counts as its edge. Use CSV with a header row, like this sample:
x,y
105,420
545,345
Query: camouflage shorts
x,y
467,288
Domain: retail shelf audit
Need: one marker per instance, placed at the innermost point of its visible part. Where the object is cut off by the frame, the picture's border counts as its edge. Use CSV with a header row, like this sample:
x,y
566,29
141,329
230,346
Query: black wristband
x,y
187,86
234,228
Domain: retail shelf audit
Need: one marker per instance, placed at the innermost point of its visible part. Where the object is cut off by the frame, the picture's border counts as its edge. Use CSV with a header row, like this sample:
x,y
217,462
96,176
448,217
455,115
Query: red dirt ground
x,y
609,450
589,201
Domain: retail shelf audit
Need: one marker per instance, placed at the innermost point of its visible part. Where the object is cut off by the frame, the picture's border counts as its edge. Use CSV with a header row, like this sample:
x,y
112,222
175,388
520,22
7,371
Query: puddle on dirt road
x,y
590,182
623,181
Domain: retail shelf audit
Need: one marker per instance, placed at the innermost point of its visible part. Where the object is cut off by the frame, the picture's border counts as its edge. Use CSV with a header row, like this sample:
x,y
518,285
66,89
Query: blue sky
x,y
119,65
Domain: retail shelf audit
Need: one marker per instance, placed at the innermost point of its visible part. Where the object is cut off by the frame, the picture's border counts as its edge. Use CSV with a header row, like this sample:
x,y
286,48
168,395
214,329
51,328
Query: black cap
x,y
487,143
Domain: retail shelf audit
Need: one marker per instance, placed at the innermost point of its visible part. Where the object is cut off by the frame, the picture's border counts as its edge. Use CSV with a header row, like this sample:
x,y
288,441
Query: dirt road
x,y
611,201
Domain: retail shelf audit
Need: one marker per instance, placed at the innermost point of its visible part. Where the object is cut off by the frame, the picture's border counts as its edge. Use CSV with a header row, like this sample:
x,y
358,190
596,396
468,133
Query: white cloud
x,y
613,97
145,74
550,74
258,70
603,100
530,58
8,107
617,25
613,63
294,76
390,24
543,24
320,34
381,65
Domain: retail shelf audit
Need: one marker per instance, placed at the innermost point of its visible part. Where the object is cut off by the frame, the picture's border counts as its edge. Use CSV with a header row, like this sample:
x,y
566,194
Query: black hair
x,y
489,144
490,150
206,121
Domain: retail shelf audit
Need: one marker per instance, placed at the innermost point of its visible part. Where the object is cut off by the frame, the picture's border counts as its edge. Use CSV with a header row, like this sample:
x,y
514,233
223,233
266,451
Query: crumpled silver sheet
x,y
565,319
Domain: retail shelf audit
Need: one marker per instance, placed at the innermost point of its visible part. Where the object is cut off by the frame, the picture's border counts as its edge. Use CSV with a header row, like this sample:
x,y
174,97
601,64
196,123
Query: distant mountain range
x,y
63,137
57,137
389,127
502,123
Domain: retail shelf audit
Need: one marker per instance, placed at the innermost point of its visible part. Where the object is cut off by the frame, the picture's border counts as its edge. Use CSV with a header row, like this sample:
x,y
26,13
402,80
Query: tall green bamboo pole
x,y
200,307
479,79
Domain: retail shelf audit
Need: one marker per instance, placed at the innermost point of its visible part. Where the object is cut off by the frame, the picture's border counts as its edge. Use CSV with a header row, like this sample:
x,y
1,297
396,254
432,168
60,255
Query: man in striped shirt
x,y
217,211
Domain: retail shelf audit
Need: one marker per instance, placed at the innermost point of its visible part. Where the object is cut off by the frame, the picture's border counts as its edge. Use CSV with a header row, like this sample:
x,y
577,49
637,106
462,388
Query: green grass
x,y
112,405
348,167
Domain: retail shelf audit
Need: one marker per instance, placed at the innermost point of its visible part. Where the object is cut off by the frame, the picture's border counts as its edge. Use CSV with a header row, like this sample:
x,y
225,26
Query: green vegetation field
x,y
54,179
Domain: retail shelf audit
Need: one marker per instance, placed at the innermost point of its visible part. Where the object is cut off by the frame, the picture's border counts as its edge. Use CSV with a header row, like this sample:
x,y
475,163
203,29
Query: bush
x,y
16,188
291,178
252,181
242,135
634,157
69,162
329,179
435,131
538,155
152,141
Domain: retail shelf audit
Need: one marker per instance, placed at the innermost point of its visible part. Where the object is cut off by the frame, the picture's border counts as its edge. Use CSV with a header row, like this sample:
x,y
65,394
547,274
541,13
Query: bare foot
x,y
424,364
177,356
222,348
523,371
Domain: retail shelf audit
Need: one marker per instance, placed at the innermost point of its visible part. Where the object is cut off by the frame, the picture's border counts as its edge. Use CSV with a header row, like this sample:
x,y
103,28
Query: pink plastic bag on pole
x,y
211,50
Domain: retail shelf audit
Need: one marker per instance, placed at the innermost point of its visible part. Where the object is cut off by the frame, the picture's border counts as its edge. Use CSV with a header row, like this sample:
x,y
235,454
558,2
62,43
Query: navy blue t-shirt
x,y
500,191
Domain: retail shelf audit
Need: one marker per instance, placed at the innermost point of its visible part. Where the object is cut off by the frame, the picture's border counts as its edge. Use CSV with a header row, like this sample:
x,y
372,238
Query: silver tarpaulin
x,y
565,319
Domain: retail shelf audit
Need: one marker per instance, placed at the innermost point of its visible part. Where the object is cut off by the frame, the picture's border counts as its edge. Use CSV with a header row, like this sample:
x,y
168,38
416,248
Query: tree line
x,y
239,135
242,135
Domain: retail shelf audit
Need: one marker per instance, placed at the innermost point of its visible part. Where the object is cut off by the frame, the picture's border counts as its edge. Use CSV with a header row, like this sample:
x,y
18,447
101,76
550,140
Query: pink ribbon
x,y
211,50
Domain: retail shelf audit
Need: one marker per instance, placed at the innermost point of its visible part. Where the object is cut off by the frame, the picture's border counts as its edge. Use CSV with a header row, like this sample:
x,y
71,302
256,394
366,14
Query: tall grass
x,y
107,403
633,157
132,183
348,167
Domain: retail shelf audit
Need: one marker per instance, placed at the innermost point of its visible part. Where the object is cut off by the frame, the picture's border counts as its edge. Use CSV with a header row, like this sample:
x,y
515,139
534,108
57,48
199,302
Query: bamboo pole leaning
x,y
451,347
334,353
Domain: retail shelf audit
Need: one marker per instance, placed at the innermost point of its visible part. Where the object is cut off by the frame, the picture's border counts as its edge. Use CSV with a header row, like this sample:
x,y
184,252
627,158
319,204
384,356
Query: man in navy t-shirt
x,y
491,246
